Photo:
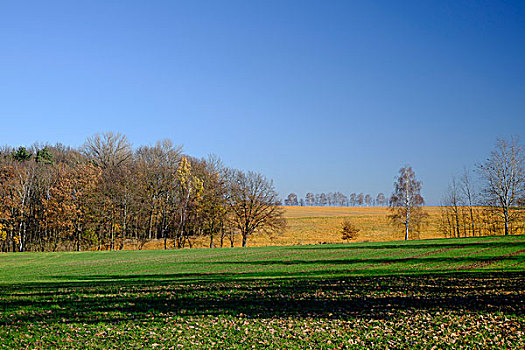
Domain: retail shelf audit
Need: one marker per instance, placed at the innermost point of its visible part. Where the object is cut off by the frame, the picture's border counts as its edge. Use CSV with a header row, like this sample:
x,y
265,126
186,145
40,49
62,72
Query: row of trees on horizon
x,y
105,192
336,199
489,200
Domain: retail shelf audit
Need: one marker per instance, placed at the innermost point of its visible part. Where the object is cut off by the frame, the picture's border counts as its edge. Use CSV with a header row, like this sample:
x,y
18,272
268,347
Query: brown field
x,y
317,225
314,225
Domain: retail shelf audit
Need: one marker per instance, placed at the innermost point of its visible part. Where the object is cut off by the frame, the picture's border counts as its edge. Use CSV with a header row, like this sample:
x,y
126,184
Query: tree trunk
x,y
150,224
78,233
506,214
456,213
112,242
472,228
407,223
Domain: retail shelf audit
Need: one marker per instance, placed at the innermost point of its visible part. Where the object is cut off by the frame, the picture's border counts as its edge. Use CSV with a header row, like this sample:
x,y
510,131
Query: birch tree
x,y
406,201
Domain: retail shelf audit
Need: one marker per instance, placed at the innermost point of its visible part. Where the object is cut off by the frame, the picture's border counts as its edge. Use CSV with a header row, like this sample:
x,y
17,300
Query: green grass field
x,y
454,293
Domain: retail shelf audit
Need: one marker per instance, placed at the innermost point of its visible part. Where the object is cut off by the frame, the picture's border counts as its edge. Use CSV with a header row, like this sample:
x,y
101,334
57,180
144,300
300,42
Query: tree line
x,y
335,199
489,199
105,193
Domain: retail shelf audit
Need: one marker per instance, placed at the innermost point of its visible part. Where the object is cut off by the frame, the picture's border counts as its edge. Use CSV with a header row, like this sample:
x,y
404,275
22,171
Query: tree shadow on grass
x,y
158,296
425,244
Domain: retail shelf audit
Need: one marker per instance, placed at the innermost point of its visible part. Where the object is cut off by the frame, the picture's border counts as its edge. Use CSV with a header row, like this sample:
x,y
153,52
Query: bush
x,y
349,230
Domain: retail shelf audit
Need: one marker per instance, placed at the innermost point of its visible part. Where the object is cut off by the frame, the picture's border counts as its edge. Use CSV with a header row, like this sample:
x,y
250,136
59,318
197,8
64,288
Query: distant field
x,y
446,293
311,225
314,225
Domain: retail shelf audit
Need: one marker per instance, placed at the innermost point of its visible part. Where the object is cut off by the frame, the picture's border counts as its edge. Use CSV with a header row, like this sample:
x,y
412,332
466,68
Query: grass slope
x,y
463,293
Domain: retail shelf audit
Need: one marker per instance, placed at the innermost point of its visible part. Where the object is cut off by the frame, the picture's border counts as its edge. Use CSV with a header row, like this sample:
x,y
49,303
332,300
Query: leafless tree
x,y
503,174
469,195
380,200
453,205
253,202
310,199
291,199
406,201
108,150
323,201
360,199
353,199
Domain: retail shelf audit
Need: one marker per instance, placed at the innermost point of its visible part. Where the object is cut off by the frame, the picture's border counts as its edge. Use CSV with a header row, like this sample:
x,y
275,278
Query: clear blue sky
x,y
317,95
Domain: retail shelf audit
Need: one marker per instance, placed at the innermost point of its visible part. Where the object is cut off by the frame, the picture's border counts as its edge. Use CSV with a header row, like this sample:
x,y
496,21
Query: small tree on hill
x,y
349,230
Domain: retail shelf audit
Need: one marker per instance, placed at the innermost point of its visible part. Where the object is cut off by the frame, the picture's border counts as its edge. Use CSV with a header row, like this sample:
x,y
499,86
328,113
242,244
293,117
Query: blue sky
x,y
317,95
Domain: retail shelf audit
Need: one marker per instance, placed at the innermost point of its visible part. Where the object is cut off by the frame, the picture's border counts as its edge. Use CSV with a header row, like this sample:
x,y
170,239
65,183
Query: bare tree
x,y
291,199
468,194
353,199
368,200
310,199
503,174
380,200
323,200
253,202
360,199
406,201
108,150
453,204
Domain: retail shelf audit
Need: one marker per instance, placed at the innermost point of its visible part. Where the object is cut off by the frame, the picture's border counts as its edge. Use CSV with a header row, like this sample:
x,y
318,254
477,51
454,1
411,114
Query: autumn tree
x,y
503,174
105,194
156,166
213,210
7,205
254,204
190,187
68,204
349,230
112,153
406,202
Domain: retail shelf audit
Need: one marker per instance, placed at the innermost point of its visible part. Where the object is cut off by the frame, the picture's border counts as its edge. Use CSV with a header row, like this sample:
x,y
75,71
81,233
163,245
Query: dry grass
x,y
315,225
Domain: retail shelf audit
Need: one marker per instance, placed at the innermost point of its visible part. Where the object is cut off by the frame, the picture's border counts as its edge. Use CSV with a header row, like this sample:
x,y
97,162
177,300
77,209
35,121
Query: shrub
x,y
349,230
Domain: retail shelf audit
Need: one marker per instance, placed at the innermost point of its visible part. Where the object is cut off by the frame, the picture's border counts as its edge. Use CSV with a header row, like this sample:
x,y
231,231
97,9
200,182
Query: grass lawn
x,y
448,293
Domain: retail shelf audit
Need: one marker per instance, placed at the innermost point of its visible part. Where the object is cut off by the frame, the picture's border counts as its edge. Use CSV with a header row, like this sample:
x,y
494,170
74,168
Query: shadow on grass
x,y
485,242
149,297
